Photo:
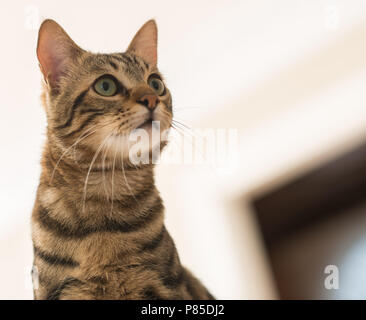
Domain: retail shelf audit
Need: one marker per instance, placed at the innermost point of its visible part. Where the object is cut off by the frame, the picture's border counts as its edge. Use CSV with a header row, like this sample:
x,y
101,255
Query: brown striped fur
x,y
98,221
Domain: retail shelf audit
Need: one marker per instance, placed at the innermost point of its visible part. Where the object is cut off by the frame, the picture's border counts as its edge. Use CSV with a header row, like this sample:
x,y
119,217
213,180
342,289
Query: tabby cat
x,y
97,224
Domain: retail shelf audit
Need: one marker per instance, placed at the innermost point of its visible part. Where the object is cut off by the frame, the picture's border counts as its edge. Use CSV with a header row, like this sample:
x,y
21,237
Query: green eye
x,y
157,85
106,86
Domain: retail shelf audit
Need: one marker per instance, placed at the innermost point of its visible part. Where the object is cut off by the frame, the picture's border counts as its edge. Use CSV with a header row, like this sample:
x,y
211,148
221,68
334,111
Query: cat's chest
x,y
117,280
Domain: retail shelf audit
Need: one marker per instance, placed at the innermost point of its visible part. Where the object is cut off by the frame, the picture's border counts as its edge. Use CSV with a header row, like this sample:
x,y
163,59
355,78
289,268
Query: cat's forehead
x,y
127,65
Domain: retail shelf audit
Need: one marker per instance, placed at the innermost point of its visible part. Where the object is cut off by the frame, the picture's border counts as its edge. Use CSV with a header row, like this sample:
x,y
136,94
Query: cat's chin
x,y
141,140
148,126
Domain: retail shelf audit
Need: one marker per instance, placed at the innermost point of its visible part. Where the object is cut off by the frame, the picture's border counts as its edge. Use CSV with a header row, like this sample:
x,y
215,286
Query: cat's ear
x,y
55,51
145,43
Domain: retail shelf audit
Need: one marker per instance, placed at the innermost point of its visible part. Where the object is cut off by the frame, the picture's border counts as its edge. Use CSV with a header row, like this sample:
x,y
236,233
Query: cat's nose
x,y
150,101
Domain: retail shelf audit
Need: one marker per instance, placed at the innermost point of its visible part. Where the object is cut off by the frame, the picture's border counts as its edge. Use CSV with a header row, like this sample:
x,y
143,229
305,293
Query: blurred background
x,y
287,77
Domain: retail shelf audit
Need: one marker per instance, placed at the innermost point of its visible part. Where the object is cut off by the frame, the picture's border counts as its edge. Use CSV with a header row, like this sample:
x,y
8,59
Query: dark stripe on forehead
x,y
131,63
97,63
77,102
143,63
126,64
114,66
120,58
138,62
127,57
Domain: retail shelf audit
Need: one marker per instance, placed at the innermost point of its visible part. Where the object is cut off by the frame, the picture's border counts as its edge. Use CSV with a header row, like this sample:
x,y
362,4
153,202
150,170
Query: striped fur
x,y
98,221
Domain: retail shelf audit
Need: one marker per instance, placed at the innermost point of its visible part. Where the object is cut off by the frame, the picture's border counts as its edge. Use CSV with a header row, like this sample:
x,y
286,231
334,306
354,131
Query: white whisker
x,y
112,179
81,137
90,167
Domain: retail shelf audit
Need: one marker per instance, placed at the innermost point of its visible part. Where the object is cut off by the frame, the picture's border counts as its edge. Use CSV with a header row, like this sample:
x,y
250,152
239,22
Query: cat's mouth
x,y
149,123
146,124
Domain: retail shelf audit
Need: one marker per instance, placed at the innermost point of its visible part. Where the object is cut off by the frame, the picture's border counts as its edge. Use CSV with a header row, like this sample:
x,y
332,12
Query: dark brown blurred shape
x,y
314,221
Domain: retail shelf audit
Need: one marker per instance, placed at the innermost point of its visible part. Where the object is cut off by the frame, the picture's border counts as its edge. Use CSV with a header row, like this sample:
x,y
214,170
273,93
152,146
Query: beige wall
x,y
289,75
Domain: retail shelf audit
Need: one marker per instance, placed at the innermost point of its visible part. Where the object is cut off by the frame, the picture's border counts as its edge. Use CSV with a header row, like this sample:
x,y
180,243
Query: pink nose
x,y
150,101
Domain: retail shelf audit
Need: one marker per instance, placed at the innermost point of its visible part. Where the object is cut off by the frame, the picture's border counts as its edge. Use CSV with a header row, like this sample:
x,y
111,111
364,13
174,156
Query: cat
x,y
98,220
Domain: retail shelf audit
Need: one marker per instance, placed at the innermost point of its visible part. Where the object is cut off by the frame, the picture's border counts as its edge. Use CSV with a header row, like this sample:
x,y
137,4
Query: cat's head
x,y
98,100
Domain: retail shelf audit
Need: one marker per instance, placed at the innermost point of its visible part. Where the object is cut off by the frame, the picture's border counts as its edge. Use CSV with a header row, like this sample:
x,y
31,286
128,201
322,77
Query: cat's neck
x,y
102,179
74,203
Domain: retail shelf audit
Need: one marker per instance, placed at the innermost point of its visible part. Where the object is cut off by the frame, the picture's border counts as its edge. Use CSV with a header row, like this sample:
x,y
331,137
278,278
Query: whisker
x,y
91,165
182,124
103,172
183,130
73,145
125,178
112,180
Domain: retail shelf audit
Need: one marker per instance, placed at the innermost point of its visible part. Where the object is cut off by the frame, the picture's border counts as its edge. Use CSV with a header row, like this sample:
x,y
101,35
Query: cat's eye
x,y
156,84
106,86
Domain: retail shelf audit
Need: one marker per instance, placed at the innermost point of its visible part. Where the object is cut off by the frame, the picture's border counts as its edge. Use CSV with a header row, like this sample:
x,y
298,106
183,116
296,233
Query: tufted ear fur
x,y
145,43
55,51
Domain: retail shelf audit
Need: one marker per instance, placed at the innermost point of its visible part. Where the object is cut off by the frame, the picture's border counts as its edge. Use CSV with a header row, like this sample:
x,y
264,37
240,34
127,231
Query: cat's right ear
x,y
55,52
145,42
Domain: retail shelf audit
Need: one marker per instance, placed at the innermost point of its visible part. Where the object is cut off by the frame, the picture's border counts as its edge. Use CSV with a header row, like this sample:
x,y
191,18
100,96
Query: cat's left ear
x,y
56,51
145,43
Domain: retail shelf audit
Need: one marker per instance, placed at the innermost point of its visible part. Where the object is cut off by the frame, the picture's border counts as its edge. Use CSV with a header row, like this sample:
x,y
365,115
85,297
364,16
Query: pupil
x,y
156,85
105,86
